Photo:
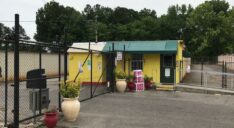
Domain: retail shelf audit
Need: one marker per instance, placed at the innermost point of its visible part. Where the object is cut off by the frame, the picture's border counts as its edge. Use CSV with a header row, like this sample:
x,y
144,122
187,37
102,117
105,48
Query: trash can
x,y
36,79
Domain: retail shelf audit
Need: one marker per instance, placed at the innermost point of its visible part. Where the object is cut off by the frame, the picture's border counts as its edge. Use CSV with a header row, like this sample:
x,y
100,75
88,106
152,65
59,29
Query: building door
x,y
167,63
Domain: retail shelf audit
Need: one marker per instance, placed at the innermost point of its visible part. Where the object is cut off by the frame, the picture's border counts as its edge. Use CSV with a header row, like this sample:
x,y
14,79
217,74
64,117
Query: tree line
x,y
208,29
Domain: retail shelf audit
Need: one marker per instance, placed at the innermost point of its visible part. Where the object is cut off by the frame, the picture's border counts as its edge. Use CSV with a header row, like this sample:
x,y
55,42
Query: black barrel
x,y
36,79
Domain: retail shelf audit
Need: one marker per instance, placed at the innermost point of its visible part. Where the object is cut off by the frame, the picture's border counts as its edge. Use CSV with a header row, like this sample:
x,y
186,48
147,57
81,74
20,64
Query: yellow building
x,y
158,59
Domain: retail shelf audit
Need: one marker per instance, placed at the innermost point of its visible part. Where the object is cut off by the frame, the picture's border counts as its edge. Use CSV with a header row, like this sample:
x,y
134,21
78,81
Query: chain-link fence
x,y
30,64
6,88
96,76
208,79
31,72
208,72
33,101
28,61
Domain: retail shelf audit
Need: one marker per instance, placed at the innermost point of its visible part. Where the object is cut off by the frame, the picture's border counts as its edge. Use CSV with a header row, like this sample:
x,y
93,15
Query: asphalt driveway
x,y
151,109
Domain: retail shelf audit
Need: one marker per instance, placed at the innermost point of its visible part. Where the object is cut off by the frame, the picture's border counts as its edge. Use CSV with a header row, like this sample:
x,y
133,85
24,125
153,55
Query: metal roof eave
x,y
146,52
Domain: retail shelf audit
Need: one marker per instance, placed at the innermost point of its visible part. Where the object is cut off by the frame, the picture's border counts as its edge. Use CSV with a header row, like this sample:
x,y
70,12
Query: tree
x,y
124,16
8,33
203,29
147,13
173,24
53,20
209,28
230,29
5,32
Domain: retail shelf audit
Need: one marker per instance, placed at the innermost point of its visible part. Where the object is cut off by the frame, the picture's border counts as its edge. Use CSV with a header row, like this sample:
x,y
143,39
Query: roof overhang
x,y
135,47
84,47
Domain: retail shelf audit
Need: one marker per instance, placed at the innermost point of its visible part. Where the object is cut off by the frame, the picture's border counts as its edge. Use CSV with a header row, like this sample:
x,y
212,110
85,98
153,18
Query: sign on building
x,y
89,64
119,55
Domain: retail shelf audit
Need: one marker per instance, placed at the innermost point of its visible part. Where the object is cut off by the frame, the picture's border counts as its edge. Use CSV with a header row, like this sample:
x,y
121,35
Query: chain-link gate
x,y
30,76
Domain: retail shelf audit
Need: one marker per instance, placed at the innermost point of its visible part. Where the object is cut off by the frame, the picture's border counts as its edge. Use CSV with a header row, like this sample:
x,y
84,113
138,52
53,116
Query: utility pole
x,y
96,29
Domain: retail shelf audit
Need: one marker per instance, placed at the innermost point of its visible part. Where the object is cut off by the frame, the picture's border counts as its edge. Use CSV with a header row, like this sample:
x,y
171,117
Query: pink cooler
x,y
137,73
140,86
138,79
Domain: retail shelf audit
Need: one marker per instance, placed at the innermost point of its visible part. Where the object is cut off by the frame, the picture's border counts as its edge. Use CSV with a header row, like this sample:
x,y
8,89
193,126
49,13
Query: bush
x,y
148,79
130,78
70,89
120,75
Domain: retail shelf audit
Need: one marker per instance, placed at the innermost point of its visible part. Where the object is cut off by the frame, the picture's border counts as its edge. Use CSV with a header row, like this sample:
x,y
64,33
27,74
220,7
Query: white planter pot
x,y
70,108
121,85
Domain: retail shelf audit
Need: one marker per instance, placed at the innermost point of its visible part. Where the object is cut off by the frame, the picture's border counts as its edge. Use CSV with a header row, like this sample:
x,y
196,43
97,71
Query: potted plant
x,y
70,91
148,82
50,118
130,83
121,83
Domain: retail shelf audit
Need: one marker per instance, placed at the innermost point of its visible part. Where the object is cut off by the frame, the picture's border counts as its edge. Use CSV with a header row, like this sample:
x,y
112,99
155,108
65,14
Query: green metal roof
x,y
167,46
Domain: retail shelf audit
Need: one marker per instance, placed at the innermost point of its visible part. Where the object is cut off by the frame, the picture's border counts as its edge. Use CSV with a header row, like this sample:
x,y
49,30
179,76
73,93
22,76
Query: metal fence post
x,y
65,56
40,56
174,86
202,64
223,74
129,66
124,59
16,73
91,71
91,74
232,82
59,77
6,84
39,88
113,68
206,81
180,71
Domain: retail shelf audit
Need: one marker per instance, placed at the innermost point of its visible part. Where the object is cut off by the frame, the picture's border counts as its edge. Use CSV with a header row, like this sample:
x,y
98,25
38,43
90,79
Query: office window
x,y
137,61
168,61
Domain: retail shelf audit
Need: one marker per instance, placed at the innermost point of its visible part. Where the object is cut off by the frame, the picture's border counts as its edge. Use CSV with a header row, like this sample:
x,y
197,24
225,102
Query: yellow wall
x,y
151,66
98,66
120,64
179,57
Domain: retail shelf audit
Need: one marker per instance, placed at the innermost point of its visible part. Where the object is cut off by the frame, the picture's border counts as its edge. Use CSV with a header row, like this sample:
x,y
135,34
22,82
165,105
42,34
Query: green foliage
x,y
130,78
53,20
70,89
8,33
148,79
210,29
207,30
120,75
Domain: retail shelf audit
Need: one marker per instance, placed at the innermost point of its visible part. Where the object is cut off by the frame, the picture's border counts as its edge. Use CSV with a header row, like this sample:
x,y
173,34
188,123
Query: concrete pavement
x,y
152,109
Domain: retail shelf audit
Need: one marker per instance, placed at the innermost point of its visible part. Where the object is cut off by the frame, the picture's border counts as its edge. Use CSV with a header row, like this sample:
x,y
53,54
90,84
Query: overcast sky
x,y
27,8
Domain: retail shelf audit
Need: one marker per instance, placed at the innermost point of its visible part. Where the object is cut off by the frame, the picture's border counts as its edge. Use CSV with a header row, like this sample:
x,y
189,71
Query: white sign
x,y
115,61
89,64
188,69
167,72
99,66
119,56
80,67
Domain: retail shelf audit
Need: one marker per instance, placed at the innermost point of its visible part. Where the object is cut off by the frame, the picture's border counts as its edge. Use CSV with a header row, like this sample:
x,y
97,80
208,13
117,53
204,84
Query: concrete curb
x,y
196,89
